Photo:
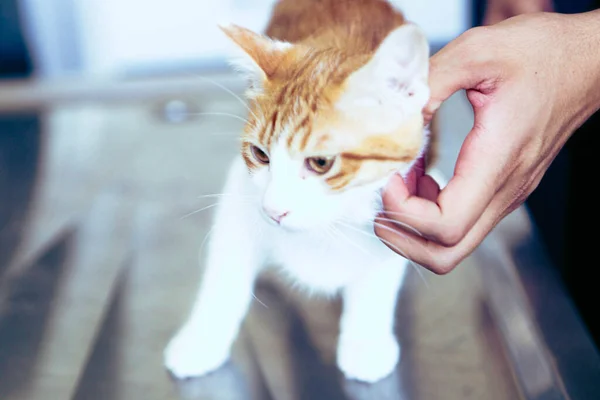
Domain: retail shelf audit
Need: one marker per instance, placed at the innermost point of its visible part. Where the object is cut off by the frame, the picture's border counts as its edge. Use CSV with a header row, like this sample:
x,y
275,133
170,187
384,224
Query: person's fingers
x,y
427,188
417,184
412,178
402,187
405,239
449,72
410,181
460,204
437,258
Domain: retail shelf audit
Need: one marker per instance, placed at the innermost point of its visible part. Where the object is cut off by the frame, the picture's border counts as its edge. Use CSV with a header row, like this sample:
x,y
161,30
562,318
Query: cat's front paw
x,y
190,354
367,360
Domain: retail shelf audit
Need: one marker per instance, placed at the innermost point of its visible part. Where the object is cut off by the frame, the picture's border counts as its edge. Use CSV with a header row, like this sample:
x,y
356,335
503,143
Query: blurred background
x,y
114,37
115,117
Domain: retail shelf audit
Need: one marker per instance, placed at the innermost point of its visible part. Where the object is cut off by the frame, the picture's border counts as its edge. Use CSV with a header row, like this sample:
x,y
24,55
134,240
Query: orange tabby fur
x,y
332,39
356,26
336,94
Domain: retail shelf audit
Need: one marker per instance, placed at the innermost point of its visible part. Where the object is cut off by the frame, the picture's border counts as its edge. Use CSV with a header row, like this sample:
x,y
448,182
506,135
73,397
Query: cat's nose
x,y
276,215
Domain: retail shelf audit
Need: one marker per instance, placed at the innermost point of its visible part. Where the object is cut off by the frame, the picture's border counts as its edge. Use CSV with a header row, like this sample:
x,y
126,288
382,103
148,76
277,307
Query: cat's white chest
x,y
326,261
320,259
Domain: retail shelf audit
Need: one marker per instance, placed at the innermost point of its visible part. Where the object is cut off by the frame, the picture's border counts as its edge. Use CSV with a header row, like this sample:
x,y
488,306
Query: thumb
x,y
450,70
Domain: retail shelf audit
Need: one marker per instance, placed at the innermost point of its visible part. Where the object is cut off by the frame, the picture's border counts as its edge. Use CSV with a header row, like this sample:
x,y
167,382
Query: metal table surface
x,y
98,269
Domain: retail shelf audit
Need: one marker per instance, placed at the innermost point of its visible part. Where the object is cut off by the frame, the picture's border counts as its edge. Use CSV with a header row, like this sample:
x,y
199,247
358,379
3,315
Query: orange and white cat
x,y
336,93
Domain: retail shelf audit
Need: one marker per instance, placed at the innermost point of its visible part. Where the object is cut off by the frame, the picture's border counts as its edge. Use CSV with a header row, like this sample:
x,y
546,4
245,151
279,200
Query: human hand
x,y
531,80
499,10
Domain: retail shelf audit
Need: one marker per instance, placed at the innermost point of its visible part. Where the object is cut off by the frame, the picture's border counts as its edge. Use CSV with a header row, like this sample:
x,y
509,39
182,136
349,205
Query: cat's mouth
x,y
281,223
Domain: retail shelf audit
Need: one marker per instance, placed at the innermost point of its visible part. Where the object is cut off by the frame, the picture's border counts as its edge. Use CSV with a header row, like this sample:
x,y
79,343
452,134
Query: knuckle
x,y
429,111
450,237
388,200
444,264
476,35
441,268
476,43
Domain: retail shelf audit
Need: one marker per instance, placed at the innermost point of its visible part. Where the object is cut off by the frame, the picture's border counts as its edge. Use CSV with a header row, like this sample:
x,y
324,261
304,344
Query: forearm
x,y
586,31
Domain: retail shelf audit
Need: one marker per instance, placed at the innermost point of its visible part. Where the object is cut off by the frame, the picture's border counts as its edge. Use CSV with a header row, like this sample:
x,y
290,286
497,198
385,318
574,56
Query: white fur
x,y
325,243
349,259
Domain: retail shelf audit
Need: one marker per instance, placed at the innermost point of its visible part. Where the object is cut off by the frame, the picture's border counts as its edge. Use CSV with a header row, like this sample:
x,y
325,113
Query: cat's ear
x,y
261,56
397,73
402,58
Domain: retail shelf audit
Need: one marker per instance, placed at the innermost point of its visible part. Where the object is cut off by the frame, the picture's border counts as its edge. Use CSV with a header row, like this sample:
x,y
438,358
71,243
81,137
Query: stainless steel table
x,y
99,268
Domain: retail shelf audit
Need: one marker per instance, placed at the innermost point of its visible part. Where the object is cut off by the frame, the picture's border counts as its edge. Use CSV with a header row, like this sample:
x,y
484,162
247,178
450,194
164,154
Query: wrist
x,y
586,39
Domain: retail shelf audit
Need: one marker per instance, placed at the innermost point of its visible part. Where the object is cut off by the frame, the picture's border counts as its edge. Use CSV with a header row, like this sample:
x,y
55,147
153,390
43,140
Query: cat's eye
x,y
320,165
260,155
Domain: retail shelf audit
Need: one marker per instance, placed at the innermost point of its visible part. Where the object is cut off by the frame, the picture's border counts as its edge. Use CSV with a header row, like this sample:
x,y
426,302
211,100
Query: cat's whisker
x,y
402,224
228,135
199,210
399,234
340,233
331,231
210,206
235,138
327,231
260,226
405,214
219,114
259,301
200,255
335,233
330,236
260,234
226,195
395,247
416,266
242,102
204,242
349,225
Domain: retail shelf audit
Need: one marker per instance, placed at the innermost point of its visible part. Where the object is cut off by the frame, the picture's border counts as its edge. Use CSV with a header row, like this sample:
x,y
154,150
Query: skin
x,y
532,81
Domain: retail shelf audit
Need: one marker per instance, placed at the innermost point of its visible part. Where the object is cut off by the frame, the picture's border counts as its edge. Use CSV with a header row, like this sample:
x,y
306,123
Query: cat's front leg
x,y
204,343
367,347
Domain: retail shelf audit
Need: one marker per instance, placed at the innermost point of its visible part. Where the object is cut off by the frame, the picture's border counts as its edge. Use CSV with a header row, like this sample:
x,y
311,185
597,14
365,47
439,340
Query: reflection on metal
x,y
226,383
389,388
551,353
88,312
531,365
19,95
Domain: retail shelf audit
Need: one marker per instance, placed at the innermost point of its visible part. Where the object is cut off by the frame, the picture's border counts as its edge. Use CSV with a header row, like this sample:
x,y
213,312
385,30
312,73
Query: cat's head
x,y
327,130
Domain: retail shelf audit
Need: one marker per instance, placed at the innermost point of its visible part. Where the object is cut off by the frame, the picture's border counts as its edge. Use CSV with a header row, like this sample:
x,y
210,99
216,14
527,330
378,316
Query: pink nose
x,y
276,215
